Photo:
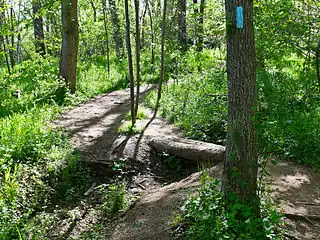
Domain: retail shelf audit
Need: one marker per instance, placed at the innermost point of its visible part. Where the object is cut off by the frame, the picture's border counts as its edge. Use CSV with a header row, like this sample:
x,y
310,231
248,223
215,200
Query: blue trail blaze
x,y
239,16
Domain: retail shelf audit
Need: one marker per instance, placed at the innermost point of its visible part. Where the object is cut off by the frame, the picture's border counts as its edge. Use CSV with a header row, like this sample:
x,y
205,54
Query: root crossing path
x,y
93,127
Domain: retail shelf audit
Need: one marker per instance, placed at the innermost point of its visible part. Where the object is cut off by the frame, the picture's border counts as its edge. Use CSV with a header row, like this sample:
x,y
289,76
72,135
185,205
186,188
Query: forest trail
x,y
93,127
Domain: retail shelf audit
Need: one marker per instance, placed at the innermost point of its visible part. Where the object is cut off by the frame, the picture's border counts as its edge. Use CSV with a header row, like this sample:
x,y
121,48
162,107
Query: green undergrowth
x,y
288,114
208,216
39,169
196,100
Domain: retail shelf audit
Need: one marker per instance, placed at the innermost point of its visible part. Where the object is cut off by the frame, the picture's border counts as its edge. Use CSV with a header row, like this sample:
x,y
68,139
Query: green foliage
x,y
140,115
209,216
196,101
127,128
114,198
289,115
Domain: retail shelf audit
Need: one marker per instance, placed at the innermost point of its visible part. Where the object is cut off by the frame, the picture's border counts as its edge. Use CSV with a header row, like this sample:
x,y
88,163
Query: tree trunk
x,y
130,65
163,30
182,24
12,38
116,28
196,16
38,28
104,9
152,32
241,163
318,63
94,10
200,28
137,9
194,151
19,35
70,41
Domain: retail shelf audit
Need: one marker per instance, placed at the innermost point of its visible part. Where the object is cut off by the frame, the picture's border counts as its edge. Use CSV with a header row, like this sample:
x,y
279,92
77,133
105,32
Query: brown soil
x,y
93,127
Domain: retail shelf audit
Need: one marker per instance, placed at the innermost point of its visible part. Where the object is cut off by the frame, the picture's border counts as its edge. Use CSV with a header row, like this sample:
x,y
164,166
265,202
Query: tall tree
x,y
11,49
200,27
151,30
3,36
182,24
130,65
241,163
104,10
70,41
38,28
137,18
163,30
116,28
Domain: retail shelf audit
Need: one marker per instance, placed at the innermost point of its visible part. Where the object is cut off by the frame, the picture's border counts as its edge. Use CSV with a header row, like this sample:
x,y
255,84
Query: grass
x,y
39,168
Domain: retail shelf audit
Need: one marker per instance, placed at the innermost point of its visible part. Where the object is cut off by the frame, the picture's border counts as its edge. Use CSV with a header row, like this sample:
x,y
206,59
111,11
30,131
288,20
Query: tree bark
x,y
137,9
152,32
318,63
196,18
163,31
70,41
241,163
2,37
200,28
182,24
104,9
11,51
194,151
19,55
38,28
94,10
130,65
116,28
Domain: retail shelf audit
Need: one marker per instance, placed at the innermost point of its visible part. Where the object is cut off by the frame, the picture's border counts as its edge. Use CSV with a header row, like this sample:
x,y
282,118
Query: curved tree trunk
x,y
70,41
241,163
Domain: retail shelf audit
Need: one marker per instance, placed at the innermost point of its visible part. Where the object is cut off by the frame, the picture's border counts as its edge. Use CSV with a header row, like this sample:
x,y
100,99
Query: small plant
x,y
127,128
208,216
114,198
140,115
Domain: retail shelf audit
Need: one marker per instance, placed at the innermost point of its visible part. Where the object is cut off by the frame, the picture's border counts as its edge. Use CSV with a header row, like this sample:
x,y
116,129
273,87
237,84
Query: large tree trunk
x,y
137,9
116,28
241,163
130,65
194,151
38,28
70,41
182,24
104,9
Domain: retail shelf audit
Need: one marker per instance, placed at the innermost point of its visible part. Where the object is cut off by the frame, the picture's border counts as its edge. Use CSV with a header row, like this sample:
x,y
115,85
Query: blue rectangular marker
x,y
239,16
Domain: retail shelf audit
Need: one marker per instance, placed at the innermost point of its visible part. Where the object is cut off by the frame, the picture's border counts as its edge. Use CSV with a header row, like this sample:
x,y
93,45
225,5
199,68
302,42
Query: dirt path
x,y
93,127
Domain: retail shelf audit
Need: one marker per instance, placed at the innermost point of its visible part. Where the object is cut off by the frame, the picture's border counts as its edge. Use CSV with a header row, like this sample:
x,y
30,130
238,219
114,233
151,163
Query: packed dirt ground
x,y
94,130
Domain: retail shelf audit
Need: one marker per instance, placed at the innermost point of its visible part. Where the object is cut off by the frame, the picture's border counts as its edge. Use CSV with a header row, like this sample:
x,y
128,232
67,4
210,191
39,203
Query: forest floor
x,y
160,191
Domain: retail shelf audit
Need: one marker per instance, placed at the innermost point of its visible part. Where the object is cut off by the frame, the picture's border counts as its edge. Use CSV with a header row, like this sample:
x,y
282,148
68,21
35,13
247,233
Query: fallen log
x,y
195,151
